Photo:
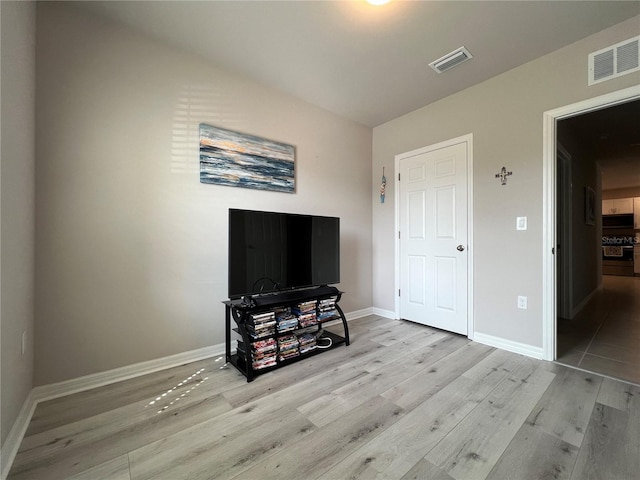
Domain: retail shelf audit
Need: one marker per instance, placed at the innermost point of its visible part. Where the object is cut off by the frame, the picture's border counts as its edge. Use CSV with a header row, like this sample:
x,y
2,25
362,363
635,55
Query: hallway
x,y
605,336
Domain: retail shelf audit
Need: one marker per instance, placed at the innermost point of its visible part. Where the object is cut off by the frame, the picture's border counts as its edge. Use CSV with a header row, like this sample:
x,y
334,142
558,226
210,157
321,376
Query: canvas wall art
x,y
239,160
589,206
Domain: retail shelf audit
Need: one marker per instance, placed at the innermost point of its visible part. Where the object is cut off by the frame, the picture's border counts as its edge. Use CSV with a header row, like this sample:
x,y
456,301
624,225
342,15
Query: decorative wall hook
x,y
502,175
383,185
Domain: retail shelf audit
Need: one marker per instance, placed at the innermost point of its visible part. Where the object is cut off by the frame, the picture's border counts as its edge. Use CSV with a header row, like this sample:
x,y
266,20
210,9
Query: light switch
x,y
521,223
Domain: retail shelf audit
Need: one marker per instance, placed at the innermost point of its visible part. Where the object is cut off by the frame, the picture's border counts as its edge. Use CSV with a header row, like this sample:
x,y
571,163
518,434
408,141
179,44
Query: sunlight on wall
x,y
194,103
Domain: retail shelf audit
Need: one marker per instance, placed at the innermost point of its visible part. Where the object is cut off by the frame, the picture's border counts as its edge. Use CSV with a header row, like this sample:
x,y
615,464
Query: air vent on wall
x,y
614,61
451,60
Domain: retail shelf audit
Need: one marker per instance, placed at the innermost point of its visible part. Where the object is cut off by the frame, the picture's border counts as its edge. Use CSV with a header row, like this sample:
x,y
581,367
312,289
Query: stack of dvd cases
x,y
285,320
327,309
260,325
306,312
263,353
307,342
263,348
288,347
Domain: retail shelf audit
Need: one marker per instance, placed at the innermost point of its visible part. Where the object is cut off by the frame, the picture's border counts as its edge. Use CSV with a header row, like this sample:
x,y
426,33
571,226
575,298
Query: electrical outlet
x,y
24,342
522,302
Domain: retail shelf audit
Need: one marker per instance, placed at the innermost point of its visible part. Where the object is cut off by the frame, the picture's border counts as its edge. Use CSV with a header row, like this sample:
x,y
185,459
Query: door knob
x,y
460,248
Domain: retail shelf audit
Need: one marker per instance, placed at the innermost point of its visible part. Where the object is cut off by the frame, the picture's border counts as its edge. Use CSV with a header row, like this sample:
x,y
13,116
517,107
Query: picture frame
x,y
589,206
236,159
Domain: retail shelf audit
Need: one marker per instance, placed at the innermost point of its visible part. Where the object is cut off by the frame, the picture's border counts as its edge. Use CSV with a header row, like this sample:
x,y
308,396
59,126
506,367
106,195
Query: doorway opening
x,y
598,324
591,311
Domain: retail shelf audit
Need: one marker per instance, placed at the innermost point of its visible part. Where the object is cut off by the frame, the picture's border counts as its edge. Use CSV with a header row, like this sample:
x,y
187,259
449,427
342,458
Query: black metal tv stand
x,y
246,311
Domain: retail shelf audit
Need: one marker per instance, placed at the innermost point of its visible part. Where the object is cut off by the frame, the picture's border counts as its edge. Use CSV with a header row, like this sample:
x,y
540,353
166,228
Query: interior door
x,y
564,234
433,238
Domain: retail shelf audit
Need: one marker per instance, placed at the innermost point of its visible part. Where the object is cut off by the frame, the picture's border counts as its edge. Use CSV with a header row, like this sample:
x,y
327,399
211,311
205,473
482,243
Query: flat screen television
x,y
274,252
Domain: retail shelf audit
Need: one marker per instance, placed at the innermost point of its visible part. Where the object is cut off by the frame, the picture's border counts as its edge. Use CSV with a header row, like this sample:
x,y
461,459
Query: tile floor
x,y
605,336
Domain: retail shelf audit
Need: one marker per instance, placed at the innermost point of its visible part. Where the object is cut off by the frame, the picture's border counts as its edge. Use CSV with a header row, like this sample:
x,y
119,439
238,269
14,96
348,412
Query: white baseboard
x,y
358,313
583,303
16,434
508,345
384,313
87,382
75,385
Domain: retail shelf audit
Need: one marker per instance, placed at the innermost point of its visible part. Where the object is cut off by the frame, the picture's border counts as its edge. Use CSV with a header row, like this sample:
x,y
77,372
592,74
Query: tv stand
x,y
269,341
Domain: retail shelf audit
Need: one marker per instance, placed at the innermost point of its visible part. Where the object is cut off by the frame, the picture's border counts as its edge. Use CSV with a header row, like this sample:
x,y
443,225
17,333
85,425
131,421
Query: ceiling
x,y
613,135
370,64
366,63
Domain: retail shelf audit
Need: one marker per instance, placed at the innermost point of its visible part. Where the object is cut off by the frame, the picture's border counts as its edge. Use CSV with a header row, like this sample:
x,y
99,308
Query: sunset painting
x,y
238,160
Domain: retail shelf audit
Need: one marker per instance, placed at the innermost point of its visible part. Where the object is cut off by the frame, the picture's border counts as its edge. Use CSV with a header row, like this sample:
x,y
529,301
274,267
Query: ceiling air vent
x,y
451,60
614,61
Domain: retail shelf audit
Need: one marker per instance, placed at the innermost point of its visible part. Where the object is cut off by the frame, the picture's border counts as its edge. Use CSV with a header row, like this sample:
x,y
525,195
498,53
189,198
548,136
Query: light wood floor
x,y
605,336
403,401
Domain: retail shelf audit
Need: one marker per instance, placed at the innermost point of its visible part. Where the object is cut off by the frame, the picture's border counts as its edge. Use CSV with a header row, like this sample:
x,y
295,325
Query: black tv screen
x,y
271,252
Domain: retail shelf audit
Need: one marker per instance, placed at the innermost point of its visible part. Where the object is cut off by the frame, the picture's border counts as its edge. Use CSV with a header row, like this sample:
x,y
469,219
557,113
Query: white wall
x,y
17,153
627,192
131,248
586,248
505,116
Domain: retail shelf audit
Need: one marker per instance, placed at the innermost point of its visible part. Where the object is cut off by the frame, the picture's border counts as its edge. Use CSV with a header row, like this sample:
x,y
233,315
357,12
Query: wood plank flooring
x,y
403,401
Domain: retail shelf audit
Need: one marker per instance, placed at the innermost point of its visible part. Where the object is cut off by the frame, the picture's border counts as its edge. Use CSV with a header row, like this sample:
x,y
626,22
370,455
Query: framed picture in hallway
x,y
589,206
240,160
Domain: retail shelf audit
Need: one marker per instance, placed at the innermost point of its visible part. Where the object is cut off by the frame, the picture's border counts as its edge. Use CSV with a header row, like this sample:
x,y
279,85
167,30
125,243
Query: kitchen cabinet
x,y
617,206
636,259
636,213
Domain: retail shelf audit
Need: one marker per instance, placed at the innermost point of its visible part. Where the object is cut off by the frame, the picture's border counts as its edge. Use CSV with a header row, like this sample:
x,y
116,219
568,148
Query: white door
x,y
564,234
433,237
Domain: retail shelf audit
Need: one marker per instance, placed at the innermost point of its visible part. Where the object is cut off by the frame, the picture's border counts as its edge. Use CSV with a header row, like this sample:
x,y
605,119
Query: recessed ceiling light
x,y
377,2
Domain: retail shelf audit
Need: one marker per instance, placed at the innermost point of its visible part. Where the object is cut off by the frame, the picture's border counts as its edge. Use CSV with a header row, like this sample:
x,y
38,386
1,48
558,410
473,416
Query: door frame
x,y
468,140
549,274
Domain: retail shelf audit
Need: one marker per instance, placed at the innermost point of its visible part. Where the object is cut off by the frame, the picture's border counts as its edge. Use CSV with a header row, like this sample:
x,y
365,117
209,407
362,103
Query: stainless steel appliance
x,y
618,254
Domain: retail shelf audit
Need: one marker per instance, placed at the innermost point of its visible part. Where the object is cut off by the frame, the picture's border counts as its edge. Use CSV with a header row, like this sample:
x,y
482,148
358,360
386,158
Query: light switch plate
x,y
521,223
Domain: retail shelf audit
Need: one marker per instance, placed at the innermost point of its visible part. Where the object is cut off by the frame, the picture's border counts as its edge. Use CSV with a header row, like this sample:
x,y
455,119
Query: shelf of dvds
x,y
278,329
